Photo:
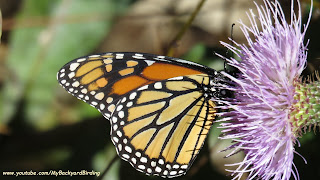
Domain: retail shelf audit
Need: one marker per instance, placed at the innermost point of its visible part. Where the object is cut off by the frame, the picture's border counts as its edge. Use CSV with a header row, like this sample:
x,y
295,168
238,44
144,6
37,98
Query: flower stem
x,y
182,31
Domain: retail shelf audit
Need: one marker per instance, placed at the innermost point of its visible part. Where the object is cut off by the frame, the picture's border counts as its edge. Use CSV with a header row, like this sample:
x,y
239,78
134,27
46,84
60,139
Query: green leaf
x,y
196,53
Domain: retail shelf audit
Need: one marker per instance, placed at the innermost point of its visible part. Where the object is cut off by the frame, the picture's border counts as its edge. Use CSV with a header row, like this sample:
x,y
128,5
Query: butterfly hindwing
x,y
159,107
160,128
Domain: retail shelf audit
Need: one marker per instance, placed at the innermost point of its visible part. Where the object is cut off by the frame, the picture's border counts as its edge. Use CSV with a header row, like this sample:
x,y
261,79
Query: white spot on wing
x,y
173,172
121,114
158,85
153,163
115,139
114,119
119,107
81,59
84,91
161,161
119,133
158,169
94,103
128,149
71,75
149,62
76,84
176,78
126,156
102,106
184,166
138,154
132,95
129,104
165,172
107,115
74,66
99,96
138,56
144,160
120,147
134,160
119,56
143,87
123,99
92,56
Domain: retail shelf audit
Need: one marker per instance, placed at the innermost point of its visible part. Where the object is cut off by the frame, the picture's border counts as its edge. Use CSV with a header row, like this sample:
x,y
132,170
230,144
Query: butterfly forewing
x,y
158,107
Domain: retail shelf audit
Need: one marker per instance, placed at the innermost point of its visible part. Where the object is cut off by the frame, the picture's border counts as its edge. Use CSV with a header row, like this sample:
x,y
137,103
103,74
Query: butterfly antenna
x,y
228,51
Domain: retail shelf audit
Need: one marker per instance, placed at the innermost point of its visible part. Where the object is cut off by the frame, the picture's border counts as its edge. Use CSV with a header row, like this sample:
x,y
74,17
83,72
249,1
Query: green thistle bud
x,y
305,113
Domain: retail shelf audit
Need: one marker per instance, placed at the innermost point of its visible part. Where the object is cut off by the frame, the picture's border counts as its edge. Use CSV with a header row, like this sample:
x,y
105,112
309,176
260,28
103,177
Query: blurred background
x,y
44,128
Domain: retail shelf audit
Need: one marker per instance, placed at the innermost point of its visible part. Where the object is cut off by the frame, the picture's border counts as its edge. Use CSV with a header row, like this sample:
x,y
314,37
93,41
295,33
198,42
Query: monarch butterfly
x,y
159,107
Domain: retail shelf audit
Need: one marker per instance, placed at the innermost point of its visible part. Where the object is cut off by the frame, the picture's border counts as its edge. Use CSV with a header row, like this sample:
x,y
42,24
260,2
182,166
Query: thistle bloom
x,y
271,103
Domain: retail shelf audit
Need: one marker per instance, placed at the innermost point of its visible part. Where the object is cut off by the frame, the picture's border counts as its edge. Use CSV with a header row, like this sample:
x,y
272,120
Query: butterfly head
x,y
218,86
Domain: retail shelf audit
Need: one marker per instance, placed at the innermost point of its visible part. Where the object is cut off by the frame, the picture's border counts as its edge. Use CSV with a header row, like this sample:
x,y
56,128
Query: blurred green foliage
x,y
48,128
36,53
47,35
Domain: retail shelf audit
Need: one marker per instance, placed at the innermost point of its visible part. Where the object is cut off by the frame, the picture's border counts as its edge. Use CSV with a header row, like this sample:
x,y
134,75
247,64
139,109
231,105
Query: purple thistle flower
x,y
263,121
